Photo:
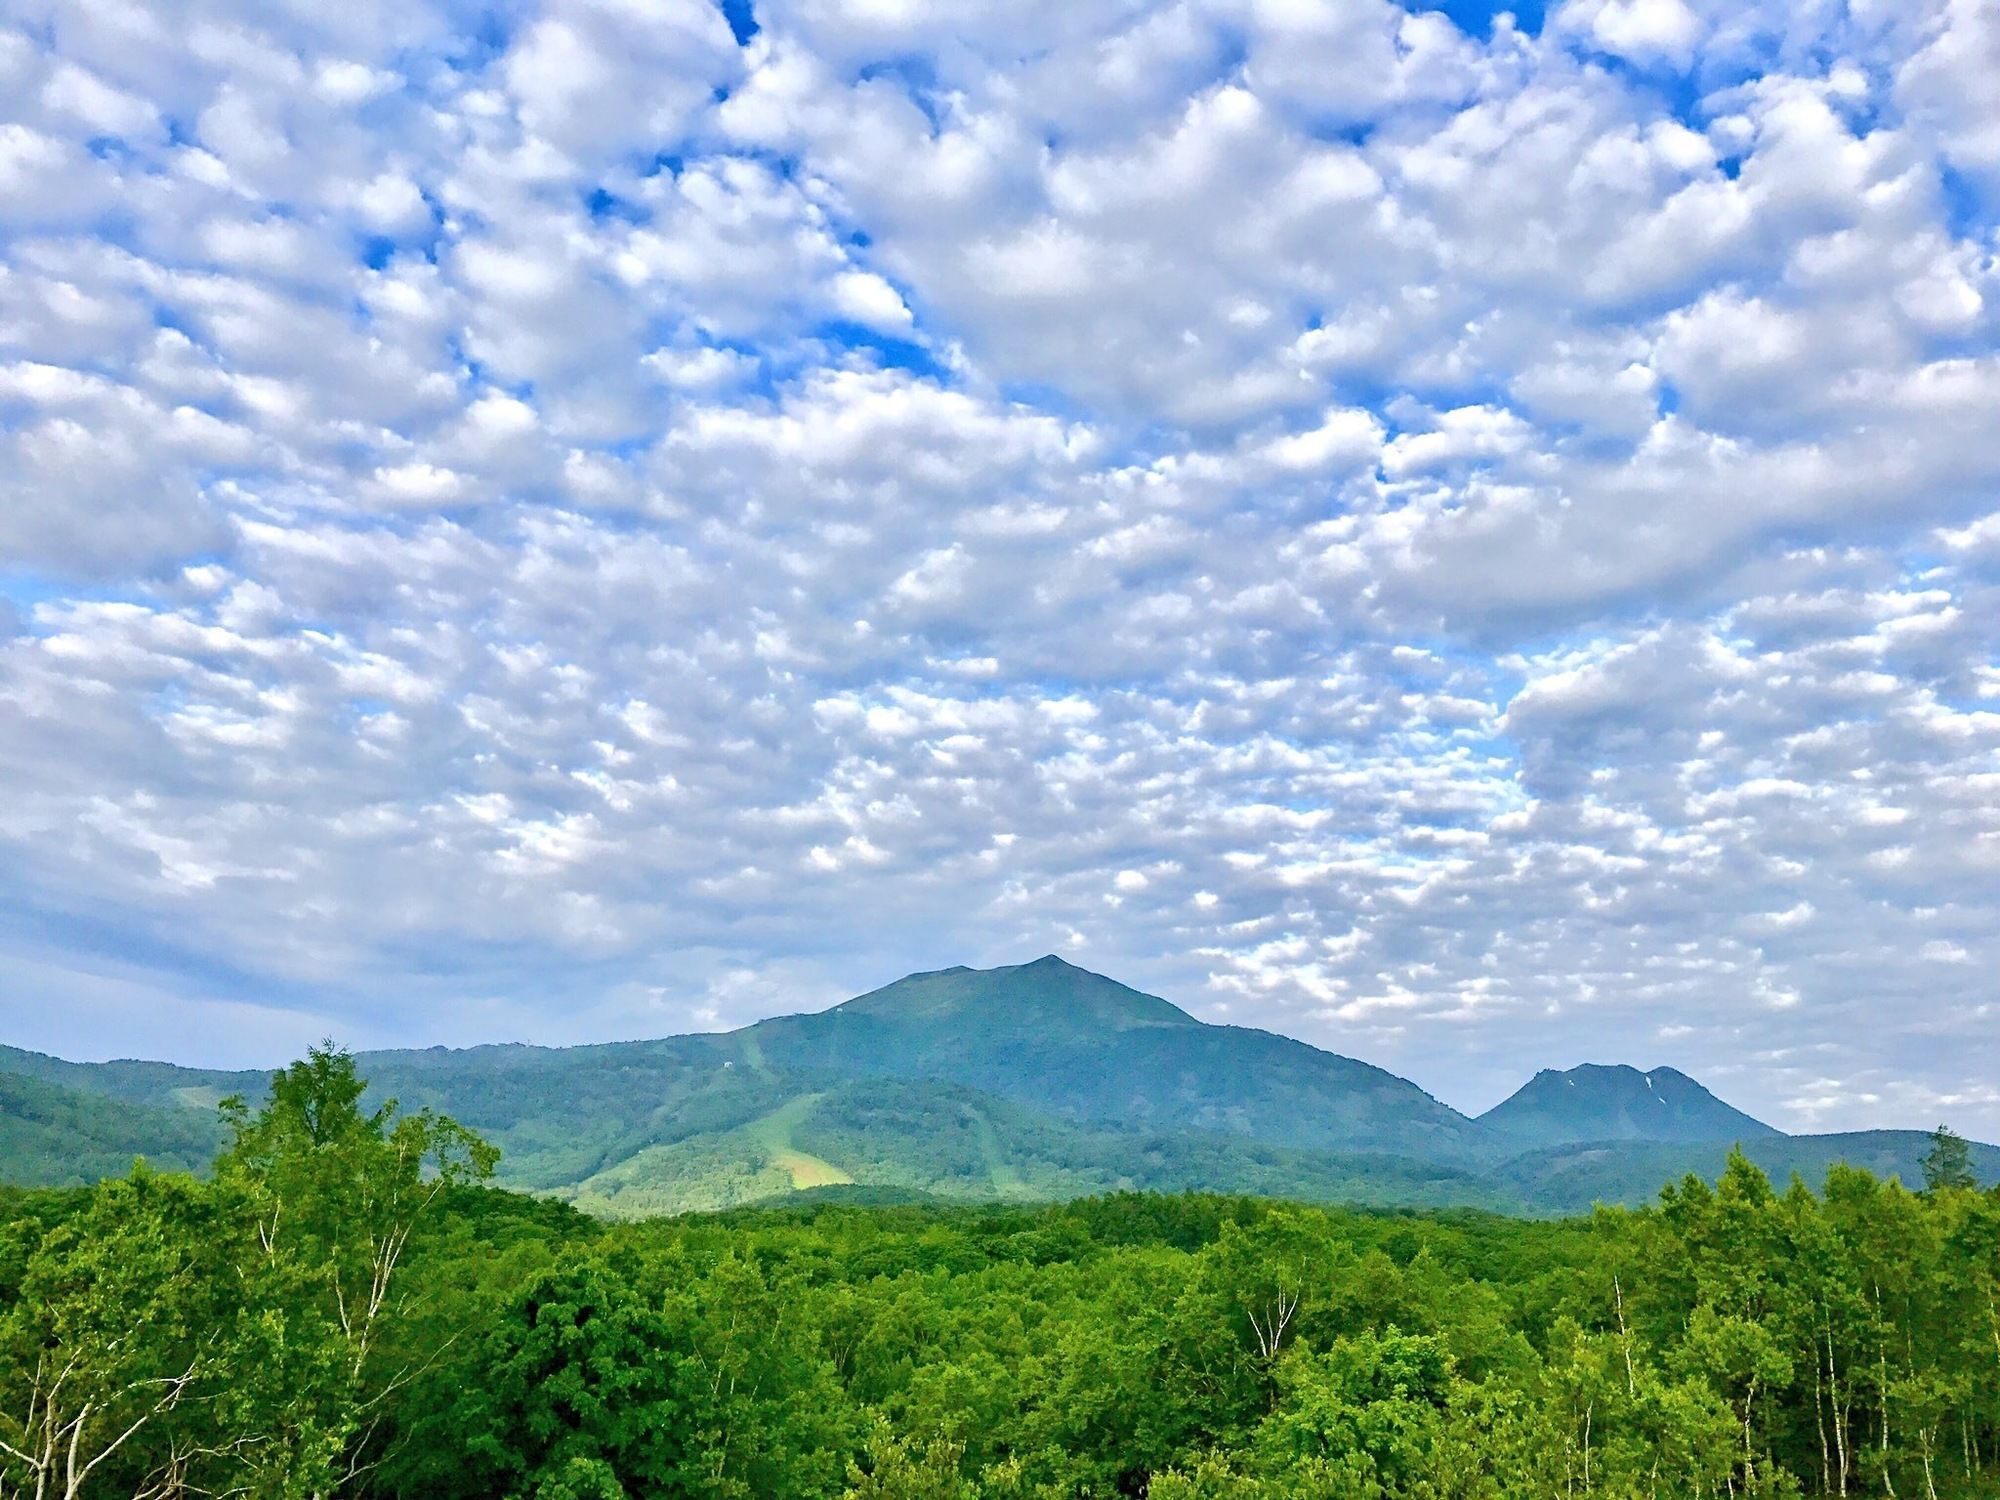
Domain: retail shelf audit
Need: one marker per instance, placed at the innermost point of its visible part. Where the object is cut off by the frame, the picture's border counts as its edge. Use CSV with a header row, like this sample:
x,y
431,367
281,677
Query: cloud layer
x,y
1475,545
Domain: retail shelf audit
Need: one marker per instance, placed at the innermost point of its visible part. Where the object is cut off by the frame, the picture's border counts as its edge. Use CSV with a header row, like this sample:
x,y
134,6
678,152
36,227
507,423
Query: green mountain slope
x,y
52,1136
167,1085
1614,1103
945,1141
1041,1080
559,1113
1075,1044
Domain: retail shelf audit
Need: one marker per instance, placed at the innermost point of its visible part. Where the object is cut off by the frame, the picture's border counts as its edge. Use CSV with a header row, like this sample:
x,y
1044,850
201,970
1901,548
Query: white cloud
x,y
1641,30
597,77
1388,533
870,301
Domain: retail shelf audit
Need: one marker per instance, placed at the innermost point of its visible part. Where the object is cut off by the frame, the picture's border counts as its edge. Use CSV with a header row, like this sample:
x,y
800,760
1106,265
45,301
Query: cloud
x,y
1642,31
1477,550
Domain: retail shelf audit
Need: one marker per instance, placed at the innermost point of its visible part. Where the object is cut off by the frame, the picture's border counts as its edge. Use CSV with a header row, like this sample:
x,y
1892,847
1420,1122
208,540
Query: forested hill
x,y
1078,1045
1035,1081
1617,1103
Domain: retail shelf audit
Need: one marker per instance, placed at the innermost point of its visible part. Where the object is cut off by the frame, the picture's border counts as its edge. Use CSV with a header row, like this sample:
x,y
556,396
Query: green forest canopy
x,y
344,1308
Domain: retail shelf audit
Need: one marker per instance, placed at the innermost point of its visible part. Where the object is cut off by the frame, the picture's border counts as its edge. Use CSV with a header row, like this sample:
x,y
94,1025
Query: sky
x,y
1468,538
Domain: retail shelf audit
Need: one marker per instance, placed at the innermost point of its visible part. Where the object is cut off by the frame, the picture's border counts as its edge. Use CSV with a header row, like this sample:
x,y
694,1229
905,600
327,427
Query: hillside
x,y
52,1136
945,1141
1615,1103
166,1085
1570,1179
1035,1081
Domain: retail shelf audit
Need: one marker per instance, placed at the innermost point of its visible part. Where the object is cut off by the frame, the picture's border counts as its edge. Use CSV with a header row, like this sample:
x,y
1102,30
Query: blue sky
x,y
1471,539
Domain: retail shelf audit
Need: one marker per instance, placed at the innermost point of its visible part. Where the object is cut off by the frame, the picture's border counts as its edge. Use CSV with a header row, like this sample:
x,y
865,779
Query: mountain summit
x,y
1086,1048
1047,995
1597,1102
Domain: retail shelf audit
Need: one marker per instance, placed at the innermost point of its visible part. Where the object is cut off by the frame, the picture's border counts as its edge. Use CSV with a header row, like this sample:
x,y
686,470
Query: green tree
x,y
111,1334
1948,1164
1361,1418
573,1387
152,1349
333,1194
898,1468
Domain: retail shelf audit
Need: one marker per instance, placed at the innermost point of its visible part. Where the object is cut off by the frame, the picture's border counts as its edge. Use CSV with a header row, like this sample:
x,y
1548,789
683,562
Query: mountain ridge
x,y
1040,1079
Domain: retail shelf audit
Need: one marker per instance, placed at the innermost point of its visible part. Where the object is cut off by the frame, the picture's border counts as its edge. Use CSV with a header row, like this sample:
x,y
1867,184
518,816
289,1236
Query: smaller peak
x,y
1616,1101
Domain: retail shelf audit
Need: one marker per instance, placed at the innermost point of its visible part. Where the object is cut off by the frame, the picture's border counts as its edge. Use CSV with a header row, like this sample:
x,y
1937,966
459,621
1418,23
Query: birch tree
x,y
335,1192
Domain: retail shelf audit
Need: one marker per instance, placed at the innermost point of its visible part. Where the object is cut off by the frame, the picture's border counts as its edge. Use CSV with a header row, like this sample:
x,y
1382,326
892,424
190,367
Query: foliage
x,y
1948,1164
164,1336
343,1308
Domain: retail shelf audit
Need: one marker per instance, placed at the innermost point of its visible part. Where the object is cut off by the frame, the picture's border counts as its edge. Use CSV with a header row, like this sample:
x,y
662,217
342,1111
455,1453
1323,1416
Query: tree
x,y
108,1338
898,1469
151,1350
1361,1418
572,1380
334,1193
1948,1164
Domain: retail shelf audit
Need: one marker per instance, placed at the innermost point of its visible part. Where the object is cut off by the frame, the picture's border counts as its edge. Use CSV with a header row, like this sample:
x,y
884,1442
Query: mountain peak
x,y
1616,1102
1048,992
1051,1035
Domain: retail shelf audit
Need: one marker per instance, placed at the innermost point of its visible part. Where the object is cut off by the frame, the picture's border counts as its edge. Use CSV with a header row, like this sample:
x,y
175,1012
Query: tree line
x,y
342,1308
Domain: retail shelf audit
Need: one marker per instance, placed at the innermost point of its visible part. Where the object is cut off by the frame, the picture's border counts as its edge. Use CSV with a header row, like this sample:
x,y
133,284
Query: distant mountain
x,y
942,1140
1088,1049
1569,1179
1040,1080
52,1136
1596,1102
166,1084
1048,1035
1054,999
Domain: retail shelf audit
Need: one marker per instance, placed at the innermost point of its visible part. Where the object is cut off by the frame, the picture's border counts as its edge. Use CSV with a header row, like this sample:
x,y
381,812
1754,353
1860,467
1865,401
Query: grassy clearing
x,y
753,1054
773,1135
1006,1181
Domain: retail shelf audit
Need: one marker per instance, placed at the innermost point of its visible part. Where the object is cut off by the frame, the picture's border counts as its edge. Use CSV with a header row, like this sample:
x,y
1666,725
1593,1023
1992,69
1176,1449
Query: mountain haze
x,y
1033,1081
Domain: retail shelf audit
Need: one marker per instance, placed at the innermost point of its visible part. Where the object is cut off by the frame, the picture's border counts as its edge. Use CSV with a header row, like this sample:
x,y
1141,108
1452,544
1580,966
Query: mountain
x,y
1054,999
1039,1080
1569,1179
157,1083
946,1141
52,1136
1088,1049
1047,1035
1615,1103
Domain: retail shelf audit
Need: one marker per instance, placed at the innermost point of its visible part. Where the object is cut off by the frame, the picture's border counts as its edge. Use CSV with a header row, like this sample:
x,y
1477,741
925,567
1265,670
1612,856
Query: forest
x,y
344,1305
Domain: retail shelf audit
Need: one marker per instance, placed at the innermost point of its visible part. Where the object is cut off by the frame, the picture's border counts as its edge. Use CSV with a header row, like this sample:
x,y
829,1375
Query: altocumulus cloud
x,y
1474,542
